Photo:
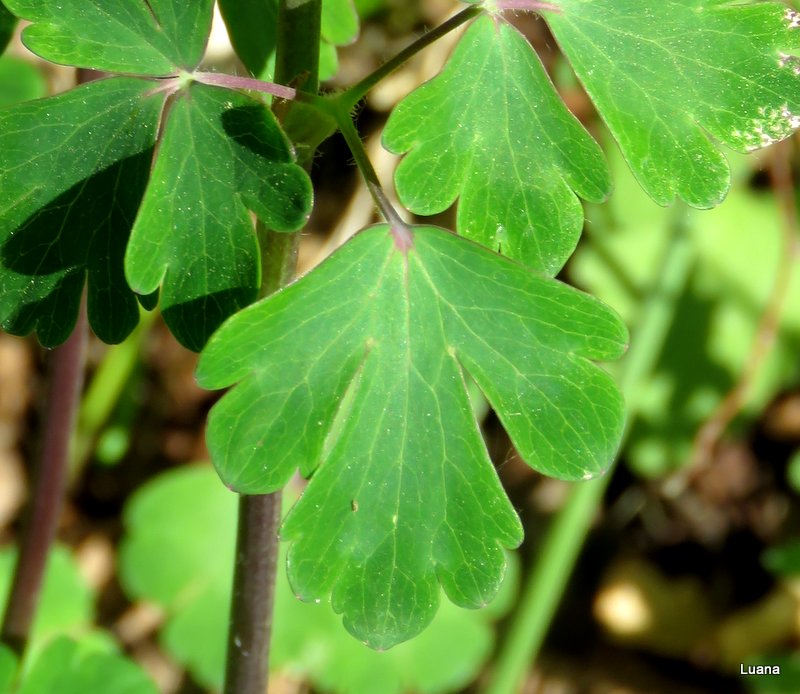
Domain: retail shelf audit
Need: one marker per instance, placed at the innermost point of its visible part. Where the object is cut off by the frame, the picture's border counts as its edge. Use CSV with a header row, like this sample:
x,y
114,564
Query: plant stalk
x,y
49,486
564,539
255,570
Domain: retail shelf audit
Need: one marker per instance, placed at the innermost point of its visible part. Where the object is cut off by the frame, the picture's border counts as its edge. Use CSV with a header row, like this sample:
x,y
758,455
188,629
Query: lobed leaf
x,y
221,154
492,130
189,516
143,37
73,169
676,79
356,373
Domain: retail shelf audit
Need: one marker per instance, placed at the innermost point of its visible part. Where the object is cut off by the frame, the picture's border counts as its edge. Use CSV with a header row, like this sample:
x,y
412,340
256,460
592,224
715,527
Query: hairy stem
x,y
49,486
358,91
401,232
247,665
563,541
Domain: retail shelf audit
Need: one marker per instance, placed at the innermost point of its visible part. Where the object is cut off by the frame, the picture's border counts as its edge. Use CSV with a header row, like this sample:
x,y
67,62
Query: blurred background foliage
x,y
692,567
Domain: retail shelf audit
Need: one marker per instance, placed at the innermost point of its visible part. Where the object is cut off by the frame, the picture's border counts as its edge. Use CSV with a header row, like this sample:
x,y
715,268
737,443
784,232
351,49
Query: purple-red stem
x,y
49,486
233,82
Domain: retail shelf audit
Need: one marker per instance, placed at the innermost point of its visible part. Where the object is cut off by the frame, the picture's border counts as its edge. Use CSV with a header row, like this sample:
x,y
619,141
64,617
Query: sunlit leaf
x,y
675,79
492,131
221,155
405,496
152,37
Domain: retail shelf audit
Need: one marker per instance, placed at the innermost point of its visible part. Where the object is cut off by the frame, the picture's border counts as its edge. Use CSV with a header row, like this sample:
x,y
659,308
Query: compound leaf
x,y
73,169
675,79
143,37
492,130
358,368
222,154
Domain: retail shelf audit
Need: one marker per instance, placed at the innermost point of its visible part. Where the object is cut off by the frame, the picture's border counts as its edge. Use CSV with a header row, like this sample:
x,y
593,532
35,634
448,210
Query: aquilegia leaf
x,y
65,213
156,37
221,154
675,79
356,373
492,129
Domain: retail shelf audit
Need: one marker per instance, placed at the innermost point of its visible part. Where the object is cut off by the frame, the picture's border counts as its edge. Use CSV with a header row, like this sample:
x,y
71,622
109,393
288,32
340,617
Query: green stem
x,y
358,91
247,665
562,544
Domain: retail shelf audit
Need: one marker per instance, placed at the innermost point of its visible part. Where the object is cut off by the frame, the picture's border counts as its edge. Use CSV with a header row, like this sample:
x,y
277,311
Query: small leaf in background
x,y
19,81
8,668
65,605
491,130
675,79
365,357
221,155
64,216
339,22
157,37
7,24
190,517
66,667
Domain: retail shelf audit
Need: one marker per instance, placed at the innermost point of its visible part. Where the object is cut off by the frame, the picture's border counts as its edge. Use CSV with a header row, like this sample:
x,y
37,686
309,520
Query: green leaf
x,y
679,78
7,24
357,369
492,130
67,668
8,668
145,37
189,516
65,604
221,154
339,22
252,28
65,214
19,81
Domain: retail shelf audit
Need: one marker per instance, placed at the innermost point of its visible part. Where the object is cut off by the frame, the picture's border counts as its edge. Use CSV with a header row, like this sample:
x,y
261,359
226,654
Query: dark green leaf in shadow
x,y
221,155
7,24
73,169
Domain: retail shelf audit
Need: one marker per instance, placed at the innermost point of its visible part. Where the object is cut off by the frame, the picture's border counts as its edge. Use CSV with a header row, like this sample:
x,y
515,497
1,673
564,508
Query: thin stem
x,y
234,82
49,486
783,185
527,5
247,665
562,544
403,236
359,90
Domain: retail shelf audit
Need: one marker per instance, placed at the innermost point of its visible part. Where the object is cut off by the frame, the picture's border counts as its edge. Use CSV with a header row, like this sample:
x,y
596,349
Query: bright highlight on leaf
x,y
676,78
143,37
358,369
69,191
221,155
492,130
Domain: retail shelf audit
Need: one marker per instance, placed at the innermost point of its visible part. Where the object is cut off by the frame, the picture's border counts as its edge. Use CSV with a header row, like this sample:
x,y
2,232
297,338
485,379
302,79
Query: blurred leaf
x,y
783,559
19,81
64,218
788,682
407,496
8,668
492,130
221,155
157,37
65,605
675,79
8,23
738,248
339,22
64,667
190,517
